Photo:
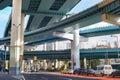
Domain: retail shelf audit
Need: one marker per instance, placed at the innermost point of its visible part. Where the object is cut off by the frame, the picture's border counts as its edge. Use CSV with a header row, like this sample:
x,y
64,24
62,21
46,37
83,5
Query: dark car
x,y
116,72
90,72
77,71
84,71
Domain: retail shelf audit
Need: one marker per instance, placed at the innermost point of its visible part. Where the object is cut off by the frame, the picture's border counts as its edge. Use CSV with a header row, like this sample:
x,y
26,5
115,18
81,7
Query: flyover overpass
x,y
106,30
82,19
66,54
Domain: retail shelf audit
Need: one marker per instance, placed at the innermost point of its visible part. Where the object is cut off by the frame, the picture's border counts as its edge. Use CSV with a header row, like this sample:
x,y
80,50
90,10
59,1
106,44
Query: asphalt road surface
x,y
52,76
44,76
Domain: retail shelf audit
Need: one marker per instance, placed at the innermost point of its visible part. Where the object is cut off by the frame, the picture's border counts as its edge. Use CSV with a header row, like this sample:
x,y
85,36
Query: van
x,y
103,70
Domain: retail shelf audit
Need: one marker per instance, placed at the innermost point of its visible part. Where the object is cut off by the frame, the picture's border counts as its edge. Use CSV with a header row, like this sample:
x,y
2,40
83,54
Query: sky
x,y
4,15
82,5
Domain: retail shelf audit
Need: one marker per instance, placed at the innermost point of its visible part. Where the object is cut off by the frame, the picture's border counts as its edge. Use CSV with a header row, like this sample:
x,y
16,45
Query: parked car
x,y
84,71
63,71
103,70
87,72
77,71
115,73
91,72
70,71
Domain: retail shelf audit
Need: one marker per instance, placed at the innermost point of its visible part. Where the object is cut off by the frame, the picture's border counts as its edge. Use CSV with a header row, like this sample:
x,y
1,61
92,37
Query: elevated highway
x,y
66,54
106,30
88,17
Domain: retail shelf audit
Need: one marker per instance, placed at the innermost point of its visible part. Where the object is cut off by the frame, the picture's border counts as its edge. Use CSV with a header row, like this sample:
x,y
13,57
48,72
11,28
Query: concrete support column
x,y
22,67
22,41
35,62
45,64
49,63
44,46
75,47
56,64
85,63
15,37
28,65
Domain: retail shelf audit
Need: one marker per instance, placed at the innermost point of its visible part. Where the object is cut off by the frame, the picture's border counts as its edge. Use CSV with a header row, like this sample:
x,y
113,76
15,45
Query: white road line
x,y
44,78
65,78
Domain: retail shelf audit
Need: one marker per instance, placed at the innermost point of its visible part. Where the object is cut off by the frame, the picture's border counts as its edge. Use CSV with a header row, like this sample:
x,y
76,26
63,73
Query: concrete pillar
x,y
44,46
56,64
75,47
28,65
35,62
22,67
85,63
45,64
15,37
22,41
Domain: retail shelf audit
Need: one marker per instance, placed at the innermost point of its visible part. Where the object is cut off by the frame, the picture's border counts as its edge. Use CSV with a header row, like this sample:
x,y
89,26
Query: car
x,y
116,72
70,71
63,71
87,72
103,70
77,71
80,71
91,72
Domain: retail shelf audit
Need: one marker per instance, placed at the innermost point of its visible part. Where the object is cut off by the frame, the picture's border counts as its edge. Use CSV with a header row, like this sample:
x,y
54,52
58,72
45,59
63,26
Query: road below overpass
x,y
59,76
51,76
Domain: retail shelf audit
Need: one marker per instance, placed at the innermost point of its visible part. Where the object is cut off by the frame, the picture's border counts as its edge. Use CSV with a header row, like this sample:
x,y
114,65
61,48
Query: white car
x,y
103,70
69,71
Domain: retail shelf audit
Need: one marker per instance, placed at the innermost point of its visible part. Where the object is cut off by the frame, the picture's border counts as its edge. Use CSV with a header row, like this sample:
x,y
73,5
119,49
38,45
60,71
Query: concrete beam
x,y
113,19
69,36
45,13
104,3
63,35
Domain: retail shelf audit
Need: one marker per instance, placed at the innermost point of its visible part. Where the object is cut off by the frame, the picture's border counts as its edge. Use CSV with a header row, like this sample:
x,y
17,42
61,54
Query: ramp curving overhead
x,y
82,19
106,30
43,12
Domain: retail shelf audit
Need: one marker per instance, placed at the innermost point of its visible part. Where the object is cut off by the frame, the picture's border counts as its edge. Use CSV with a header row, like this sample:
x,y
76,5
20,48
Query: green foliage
x,y
94,63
